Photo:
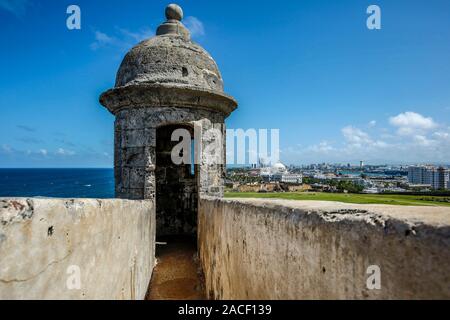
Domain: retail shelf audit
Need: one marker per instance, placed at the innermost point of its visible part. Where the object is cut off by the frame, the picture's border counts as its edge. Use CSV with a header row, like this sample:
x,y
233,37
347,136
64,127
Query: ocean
x,y
57,183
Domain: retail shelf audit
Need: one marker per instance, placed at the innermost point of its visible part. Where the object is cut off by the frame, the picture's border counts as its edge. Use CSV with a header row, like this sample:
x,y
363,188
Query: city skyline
x,y
338,92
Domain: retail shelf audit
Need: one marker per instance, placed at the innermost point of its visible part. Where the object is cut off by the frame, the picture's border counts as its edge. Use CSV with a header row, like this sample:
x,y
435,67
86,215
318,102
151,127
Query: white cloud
x,y
410,123
322,147
357,140
421,145
102,40
412,119
380,144
423,141
123,39
195,26
16,7
64,152
355,136
6,149
138,36
372,124
10,157
442,134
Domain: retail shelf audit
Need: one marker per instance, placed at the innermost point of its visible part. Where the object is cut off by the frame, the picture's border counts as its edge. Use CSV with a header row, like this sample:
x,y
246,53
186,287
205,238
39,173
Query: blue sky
x,y
337,91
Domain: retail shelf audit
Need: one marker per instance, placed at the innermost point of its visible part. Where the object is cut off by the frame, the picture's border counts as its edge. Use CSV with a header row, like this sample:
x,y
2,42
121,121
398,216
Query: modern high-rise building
x,y
415,174
436,178
443,178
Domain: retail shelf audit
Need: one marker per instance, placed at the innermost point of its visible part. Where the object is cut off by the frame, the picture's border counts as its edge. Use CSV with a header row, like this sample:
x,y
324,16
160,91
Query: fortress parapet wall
x,y
76,249
249,249
278,249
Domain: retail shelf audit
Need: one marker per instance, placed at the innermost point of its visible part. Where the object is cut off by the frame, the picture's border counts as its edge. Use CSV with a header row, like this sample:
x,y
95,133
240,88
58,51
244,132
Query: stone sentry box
x,y
168,82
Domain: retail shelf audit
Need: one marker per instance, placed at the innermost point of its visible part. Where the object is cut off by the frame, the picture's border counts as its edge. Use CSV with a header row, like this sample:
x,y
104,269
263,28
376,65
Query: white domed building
x,y
278,168
279,173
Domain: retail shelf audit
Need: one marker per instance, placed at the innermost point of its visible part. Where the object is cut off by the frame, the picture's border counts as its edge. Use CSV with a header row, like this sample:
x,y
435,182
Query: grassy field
x,y
402,200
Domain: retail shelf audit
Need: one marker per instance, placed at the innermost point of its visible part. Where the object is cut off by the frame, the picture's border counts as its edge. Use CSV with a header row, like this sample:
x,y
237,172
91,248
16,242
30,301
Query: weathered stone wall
x,y
135,154
136,166
43,242
276,249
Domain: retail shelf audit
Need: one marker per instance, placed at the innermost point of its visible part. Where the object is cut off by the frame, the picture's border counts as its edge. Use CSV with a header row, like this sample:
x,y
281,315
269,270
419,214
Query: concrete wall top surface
x,y
431,215
76,248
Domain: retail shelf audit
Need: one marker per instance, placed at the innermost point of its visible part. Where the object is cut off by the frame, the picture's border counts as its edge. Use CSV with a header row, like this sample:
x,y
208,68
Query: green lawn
x,y
403,200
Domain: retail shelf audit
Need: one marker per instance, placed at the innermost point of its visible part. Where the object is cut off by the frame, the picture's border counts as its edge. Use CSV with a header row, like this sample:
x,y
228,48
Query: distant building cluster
x,y
359,177
436,178
279,173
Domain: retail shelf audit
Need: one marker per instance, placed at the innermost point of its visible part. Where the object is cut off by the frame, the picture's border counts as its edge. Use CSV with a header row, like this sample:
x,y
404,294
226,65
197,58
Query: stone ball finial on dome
x,y
173,25
168,70
174,12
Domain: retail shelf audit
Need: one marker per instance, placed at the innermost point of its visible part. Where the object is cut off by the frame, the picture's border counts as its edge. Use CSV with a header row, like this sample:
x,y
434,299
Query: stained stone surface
x,y
271,249
139,175
135,149
170,60
46,244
